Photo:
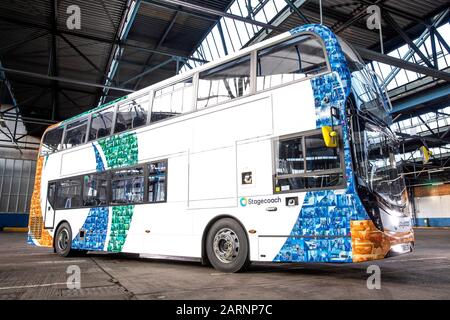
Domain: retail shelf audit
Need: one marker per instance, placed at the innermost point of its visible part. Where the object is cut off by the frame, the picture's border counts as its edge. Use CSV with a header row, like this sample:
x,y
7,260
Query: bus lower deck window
x,y
157,181
127,186
304,162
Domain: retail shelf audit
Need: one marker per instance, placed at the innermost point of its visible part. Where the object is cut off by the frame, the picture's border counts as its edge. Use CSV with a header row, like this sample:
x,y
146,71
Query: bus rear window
x,y
51,141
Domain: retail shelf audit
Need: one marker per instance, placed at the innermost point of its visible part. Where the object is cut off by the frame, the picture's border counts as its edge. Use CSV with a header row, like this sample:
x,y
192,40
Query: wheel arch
x,y
205,260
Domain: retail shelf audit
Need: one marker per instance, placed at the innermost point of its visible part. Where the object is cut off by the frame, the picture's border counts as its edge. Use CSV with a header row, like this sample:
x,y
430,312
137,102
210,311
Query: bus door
x,y
49,219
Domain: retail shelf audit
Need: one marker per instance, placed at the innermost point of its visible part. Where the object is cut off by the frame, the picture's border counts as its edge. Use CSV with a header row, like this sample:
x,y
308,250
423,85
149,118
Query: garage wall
x,y
432,204
16,188
17,170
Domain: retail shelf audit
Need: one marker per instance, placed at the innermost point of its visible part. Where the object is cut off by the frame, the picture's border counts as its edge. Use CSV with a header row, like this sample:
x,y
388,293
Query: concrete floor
x,y
28,272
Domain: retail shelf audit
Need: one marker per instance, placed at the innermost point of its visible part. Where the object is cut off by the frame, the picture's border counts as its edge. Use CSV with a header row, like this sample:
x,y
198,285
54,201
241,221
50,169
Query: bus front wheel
x,y
227,246
63,240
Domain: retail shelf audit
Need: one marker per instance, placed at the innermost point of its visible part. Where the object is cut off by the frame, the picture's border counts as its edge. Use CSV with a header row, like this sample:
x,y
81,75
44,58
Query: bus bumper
x,y
369,243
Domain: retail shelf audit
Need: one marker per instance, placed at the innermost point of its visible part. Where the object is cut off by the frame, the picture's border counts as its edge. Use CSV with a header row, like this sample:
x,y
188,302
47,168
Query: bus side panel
x,y
169,224
293,109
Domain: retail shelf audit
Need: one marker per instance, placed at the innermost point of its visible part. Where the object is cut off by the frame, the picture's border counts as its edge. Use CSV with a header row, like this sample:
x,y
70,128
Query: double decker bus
x,y
279,152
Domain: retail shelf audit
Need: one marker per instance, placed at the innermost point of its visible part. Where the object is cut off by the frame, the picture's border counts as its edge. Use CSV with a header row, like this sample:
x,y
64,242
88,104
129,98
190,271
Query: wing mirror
x,y
330,137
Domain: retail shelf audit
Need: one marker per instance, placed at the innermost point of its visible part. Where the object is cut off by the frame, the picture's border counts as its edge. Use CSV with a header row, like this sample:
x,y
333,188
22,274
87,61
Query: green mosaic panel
x,y
120,150
120,224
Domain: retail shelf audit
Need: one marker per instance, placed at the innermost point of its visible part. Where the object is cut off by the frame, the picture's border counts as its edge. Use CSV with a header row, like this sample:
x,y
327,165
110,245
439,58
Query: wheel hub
x,y
63,240
226,245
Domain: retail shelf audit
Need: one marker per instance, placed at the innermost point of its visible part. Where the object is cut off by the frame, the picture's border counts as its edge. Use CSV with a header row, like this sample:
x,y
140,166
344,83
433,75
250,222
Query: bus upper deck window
x,y
75,133
290,60
101,124
52,141
172,100
132,115
225,82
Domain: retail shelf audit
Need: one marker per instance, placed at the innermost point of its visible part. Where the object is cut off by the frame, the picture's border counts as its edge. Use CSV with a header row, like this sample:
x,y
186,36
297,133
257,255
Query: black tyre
x,y
227,246
63,240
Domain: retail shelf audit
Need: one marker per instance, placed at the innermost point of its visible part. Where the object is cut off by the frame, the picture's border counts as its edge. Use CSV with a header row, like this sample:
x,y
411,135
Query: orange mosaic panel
x,y
369,243
36,222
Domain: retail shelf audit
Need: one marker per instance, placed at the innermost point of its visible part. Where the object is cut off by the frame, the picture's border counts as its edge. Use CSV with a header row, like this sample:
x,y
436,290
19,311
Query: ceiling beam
x,y
297,11
96,38
388,18
383,58
203,9
61,79
160,42
179,9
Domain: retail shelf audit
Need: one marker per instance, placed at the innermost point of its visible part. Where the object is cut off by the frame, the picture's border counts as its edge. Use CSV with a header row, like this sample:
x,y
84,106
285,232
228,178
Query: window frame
x,y
110,181
111,129
58,183
108,174
220,67
166,181
59,146
79,119
313,36
125,103
193,104
108,188
303,135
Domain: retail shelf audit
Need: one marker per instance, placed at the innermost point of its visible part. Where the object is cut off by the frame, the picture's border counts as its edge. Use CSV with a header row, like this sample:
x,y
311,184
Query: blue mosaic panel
x,y
322,230
98,159
95,227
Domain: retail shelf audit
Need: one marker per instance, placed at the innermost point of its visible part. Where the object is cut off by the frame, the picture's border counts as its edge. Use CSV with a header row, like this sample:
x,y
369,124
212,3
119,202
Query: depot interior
x,y
50,72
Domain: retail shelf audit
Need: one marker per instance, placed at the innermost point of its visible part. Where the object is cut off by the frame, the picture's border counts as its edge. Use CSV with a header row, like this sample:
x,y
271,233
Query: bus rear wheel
x,y
227,246
63,240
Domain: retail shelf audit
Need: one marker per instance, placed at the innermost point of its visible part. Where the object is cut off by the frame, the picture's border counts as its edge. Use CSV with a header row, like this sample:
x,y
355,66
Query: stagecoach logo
x,y
244,201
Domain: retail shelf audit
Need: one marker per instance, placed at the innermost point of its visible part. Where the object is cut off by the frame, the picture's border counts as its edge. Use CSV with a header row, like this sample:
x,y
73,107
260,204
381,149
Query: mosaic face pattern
x,y
120,150
100,166
120,224
322,230
37,234
95,229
